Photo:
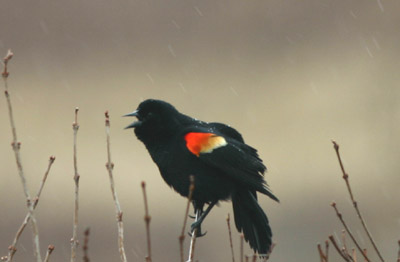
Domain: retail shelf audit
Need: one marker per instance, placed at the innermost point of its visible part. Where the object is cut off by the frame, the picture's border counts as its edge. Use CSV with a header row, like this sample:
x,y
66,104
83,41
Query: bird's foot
x,y
196,226
198,234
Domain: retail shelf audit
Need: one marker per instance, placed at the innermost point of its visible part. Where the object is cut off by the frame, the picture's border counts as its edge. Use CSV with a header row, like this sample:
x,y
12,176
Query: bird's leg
x,y
200,216
196,206
198,227
198,210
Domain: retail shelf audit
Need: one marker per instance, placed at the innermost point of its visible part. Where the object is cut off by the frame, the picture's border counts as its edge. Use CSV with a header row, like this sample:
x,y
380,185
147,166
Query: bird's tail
x,y
251,219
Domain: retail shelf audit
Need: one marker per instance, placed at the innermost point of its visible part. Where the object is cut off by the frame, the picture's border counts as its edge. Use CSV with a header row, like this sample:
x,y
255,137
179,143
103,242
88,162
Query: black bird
x,y
223,166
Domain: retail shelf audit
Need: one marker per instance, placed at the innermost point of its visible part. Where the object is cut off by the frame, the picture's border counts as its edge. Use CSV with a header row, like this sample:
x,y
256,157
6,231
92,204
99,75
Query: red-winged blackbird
x,y
223,166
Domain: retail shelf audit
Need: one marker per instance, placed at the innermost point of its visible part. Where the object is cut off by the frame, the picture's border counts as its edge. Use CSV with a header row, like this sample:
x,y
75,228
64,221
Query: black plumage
x,y
224,167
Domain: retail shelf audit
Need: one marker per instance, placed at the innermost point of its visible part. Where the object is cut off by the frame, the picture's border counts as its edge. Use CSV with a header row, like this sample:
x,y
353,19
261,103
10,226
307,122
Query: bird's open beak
x,y
136,123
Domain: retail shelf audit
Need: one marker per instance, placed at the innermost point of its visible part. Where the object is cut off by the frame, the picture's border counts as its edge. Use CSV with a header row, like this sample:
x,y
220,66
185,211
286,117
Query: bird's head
x,y
153,118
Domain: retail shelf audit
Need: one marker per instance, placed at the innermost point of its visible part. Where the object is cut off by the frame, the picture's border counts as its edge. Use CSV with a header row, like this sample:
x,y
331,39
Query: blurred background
x,y
289,75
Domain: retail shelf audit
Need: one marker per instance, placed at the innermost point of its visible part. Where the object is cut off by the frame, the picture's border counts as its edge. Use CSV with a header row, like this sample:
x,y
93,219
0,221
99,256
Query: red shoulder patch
x,y
203,142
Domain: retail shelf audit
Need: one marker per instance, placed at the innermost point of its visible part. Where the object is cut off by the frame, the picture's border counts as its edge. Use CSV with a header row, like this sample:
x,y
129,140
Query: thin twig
x,y
110,167
344,248
365,253
147,219
11,251
347,254
74,239
348,231
254,257
247,258
398,253
354,254
241,247
6,59
36,199
346,178
322,255
193,241
327,250
16,147
228,221
50,249
86,246
182,236
332,239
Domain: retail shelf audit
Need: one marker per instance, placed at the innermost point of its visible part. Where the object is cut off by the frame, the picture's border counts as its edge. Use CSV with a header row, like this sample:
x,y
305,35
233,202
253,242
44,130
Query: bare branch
x,y
182,236
365,253
354,254
16,147
11,251
228,221
50,249
327,250
241,247
322,255
339,215
332,239
398,253
7,58
147,219
344,248
110,167
346,178
74,239
86,246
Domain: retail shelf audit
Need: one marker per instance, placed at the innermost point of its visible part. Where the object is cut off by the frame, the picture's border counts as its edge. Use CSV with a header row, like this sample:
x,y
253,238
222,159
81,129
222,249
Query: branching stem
x,y
74,239
339,215
50,250
110,167
16,148
241,247
11,251
147,219
346,178
86,246
228,222
332,239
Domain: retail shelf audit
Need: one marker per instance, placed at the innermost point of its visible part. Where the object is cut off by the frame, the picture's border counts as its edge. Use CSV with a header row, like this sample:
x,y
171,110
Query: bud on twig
x,y
8,56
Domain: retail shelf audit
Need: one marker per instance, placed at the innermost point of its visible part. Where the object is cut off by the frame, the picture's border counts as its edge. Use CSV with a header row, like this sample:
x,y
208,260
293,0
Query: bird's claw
x,y
194,226
192,217
198,234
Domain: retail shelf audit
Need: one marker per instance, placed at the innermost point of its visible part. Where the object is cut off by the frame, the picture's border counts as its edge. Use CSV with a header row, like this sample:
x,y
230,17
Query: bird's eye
x,y
147,115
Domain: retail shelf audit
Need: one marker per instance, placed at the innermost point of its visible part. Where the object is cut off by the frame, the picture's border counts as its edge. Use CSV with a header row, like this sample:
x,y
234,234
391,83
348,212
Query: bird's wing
x,y
227,131
234,158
